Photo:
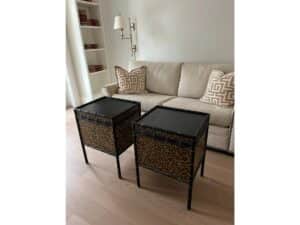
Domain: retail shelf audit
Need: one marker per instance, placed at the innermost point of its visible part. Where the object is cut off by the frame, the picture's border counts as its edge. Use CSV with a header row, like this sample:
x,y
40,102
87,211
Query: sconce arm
x,y
123,37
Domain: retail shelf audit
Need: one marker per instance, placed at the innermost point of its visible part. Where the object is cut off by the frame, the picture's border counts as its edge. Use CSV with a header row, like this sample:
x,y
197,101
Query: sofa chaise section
x,y
219,116
220,121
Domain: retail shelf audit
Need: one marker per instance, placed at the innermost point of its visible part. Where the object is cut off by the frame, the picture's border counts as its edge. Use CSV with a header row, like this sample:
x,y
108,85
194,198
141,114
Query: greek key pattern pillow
x,y
220,89
132,82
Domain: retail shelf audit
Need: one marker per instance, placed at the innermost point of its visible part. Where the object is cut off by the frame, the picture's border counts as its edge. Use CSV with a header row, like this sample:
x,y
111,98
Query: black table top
x,y
175,120
107,107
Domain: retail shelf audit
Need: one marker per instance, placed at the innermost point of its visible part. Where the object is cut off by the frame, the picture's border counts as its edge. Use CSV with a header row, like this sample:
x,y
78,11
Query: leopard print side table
x,y
172,142
105,124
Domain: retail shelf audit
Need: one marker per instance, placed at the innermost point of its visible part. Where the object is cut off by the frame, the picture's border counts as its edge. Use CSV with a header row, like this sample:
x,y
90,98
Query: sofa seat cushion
x,y
147,100
219,116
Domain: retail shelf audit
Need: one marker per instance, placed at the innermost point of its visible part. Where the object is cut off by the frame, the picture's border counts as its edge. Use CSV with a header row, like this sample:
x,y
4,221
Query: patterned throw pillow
x,y
220,89
133,82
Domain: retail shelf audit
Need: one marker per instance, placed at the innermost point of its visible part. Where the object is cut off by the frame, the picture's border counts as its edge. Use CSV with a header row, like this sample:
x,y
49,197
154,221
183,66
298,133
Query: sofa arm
x,y
110,89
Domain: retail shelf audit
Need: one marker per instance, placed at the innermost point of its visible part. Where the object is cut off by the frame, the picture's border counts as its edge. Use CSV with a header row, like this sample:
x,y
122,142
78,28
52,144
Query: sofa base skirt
x,y
222,151
219,138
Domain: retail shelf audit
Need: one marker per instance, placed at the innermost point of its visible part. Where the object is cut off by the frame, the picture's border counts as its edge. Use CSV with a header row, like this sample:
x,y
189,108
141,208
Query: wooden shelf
x,y
94,3
98,72
94,56
90,27
94,50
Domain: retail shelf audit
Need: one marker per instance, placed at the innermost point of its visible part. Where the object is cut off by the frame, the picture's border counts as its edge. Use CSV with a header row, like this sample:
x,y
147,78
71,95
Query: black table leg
x,y
81,141
203,164
137,170
118,165
204,154
189,202
84,153
136,164
138,176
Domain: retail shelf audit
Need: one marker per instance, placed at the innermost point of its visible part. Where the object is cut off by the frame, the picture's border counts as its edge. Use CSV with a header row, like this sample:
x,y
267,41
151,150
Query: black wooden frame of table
x,y
114,122
202,131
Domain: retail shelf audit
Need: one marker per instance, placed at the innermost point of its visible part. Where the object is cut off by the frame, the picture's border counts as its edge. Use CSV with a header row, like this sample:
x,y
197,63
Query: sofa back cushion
x,y
194,78
162,78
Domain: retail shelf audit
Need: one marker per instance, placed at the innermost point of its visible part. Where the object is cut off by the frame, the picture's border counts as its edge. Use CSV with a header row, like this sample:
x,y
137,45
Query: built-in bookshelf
x,y
88,3
90,50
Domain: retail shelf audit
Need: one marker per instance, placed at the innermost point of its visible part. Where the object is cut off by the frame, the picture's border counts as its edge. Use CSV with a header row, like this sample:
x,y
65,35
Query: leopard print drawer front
x,y
163,157
97,132
98,136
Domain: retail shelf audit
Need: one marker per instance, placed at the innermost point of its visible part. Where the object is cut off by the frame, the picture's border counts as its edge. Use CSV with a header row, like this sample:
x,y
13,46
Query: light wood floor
x,y
95,195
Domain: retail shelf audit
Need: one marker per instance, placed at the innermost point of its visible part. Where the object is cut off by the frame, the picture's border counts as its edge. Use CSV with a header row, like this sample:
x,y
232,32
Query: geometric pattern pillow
x,y
133,82
220,89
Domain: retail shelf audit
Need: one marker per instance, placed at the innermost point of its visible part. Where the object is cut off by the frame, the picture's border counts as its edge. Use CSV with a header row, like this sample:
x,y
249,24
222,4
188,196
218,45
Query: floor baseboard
x,y
220,151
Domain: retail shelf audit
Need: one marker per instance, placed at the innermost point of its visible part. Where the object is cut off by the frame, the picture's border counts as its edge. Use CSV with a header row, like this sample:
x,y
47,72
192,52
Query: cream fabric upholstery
x,y
218,137
226,68
162,78
231,146
110,89
219,116
148,101
194,78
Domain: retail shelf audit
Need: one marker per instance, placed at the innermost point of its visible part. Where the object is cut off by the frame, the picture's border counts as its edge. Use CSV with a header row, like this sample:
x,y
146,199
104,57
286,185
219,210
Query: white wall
x,y
189,30
176,30
118,50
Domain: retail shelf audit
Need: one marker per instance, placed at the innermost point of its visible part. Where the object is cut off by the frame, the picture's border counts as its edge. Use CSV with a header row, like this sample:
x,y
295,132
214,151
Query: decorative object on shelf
x,y
84,23
90,46
83,18
82,15
93,22
90,22
95,68
119,25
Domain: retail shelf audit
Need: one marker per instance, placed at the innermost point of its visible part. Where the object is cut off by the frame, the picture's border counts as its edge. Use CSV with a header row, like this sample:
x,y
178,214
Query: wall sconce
x,y
119,25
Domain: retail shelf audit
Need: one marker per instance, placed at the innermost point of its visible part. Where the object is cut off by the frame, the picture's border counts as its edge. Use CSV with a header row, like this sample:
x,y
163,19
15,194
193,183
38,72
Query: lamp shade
x,y
119,23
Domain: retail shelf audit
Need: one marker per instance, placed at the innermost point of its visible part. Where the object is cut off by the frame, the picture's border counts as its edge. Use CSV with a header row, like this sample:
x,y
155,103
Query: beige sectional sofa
x,y
181,85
